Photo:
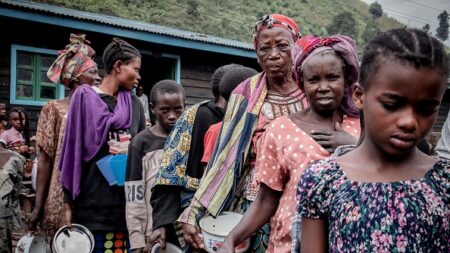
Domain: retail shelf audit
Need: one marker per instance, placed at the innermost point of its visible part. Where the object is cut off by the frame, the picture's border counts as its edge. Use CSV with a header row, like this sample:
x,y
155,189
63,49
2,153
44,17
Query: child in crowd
x,y
11,168
384,195
228,83
328,69
3,119
181,169
17,138
144,155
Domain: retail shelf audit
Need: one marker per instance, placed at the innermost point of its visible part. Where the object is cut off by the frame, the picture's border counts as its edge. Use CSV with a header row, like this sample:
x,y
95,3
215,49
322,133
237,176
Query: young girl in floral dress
x,y
385,195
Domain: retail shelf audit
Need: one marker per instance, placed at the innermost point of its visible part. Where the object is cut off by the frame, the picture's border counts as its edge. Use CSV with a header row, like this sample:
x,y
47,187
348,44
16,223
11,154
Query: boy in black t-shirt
x,y
167,100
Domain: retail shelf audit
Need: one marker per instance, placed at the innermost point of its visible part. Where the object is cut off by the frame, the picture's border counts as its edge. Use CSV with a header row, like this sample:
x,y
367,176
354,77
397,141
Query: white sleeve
x,y
443,146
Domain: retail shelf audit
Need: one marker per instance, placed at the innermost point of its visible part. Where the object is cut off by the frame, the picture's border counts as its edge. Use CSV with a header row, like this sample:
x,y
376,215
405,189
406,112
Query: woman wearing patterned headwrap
x,y
252,105
74,66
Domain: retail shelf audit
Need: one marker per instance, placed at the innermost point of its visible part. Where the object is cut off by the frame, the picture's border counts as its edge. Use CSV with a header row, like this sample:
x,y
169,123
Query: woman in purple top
x,y
95,113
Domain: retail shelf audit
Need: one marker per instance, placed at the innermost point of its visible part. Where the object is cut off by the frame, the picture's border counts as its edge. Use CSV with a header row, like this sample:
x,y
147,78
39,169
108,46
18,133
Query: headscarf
x,y
345,48
275,20
72,61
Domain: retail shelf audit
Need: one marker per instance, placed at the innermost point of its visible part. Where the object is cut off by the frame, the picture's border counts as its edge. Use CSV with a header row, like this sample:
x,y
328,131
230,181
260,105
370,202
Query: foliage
x,y
370,31
376,10
426,28
442,30
193,8
232,19
343,23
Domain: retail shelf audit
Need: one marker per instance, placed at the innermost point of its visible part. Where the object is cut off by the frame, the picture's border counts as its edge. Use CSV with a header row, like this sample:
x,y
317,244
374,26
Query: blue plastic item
x,y
119,167
105,167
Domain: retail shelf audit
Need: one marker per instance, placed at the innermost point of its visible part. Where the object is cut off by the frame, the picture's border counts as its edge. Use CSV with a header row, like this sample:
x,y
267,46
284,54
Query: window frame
x,y
176,70
13,99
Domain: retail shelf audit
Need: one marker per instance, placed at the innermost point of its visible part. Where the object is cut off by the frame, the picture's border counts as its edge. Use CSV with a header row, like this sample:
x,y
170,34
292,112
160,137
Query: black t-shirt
x,y
143,143
166,200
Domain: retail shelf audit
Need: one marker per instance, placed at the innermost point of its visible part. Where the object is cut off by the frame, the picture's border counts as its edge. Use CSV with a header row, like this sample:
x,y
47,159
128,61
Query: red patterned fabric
x,y
276,20
72,61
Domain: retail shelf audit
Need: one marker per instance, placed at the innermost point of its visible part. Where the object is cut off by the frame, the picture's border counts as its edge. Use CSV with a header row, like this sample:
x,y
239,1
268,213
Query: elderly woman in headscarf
x,y
327,71
229,183
73,66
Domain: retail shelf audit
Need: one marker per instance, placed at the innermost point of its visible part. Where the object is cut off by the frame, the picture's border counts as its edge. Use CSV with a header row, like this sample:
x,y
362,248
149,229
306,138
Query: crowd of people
x,y
319,151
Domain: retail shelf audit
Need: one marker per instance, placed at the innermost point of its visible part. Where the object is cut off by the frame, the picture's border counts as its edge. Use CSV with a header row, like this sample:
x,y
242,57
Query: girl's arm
x,y
42,186
314,236
257,215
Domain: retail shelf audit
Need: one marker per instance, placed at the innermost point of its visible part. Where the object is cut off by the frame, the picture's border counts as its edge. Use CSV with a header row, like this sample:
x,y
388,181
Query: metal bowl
x,y
77,240
31,244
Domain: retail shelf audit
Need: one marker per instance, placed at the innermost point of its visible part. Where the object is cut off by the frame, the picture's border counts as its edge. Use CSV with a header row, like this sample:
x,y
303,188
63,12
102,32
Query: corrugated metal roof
x,y
128,23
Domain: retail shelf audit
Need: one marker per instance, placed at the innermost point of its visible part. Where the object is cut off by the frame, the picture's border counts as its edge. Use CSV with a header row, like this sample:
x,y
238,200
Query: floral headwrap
x,y
345,48
276,20
72,61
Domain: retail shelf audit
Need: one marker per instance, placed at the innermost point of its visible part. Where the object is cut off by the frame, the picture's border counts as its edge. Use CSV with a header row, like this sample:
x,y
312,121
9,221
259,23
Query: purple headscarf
x,y
344,47
88,123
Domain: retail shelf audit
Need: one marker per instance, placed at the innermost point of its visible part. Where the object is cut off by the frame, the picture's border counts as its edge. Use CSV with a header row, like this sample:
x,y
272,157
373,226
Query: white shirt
x,y
144,100
443,146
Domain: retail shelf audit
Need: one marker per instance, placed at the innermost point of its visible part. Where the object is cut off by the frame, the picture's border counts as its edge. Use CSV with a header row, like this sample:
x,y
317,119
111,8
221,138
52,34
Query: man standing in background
x,y
144,100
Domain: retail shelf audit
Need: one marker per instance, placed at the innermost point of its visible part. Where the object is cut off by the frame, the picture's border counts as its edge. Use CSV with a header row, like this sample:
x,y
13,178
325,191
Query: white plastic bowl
x,y
31,244
215,230
170,248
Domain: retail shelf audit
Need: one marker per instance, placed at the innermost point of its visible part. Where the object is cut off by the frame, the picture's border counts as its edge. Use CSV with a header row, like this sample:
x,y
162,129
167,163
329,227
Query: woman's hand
x,y
68,214
158,236
31,150
191,235
35,218
330,140
227,247
23,149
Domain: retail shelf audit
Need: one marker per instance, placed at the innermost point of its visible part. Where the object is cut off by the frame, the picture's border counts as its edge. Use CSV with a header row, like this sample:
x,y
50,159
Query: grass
x,y
232,19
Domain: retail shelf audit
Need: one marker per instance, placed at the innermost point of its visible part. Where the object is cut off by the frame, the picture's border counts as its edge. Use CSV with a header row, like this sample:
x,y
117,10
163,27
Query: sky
x,y
415,13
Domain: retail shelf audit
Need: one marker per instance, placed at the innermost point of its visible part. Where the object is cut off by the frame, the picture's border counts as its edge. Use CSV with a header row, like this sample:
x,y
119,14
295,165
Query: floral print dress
x,y
49,137
403,216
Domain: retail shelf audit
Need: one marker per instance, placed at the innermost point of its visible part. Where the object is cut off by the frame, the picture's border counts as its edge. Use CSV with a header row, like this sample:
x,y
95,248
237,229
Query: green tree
x,y
426,28
344,23
370,31
376,10
193,8
442,30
